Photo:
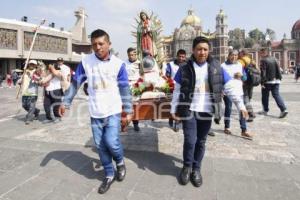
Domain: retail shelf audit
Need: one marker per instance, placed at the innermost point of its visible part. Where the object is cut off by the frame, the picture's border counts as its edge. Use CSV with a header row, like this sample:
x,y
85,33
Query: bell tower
x,y
221,48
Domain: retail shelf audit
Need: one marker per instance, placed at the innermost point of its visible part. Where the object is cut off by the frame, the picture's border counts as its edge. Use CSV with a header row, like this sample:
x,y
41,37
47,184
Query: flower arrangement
x,y
168,86
141,86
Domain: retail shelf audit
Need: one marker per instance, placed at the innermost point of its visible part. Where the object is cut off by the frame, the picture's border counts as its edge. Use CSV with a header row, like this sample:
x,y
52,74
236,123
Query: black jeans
x,y
28,103
52,101
195,132
274,88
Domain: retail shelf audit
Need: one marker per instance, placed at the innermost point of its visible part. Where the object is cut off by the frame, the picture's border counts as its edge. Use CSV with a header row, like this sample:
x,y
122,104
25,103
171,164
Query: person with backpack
x,y
270,81
235,71
252,80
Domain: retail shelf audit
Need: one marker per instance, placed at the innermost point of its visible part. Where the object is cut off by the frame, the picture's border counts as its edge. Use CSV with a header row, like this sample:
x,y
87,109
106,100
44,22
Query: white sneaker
x,y
283,114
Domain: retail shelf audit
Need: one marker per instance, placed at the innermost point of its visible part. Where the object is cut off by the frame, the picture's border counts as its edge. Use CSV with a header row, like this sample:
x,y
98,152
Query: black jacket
x,y
270,70
188,80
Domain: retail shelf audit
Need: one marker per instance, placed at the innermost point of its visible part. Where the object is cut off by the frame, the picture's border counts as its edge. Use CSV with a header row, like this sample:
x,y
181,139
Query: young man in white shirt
x,y
198,96
134,72
171,70
108,91
235,70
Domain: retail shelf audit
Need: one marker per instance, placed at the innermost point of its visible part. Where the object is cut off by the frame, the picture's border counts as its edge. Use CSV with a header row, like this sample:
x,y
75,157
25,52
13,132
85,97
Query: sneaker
x,y
283,114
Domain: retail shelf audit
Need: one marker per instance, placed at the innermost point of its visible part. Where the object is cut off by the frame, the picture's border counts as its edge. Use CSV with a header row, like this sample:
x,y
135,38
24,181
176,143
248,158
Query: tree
x,y
237,38
256,35
249,42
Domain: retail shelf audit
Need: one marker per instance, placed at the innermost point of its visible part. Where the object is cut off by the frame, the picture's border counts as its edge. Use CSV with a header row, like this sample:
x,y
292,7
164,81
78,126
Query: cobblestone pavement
x,y
58,161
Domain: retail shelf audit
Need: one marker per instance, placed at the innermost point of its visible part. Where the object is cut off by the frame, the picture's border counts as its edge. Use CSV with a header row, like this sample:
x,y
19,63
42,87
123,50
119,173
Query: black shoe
x,y
184,176
105,185
250,119
121,172
136,128
36,114
196,178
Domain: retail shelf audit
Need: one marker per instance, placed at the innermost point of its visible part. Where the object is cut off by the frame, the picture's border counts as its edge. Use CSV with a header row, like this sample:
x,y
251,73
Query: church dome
x,y
296,26
191,19
296,30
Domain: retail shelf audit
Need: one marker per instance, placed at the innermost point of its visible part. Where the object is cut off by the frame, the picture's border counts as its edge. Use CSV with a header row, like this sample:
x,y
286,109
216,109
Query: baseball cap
x,y
34,62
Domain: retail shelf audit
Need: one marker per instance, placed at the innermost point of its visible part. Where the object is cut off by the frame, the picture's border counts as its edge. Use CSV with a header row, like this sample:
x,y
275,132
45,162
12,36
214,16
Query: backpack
x,y
253,75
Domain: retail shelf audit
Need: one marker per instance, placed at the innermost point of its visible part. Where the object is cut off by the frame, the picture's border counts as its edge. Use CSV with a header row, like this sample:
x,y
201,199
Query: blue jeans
x,y
274,88
195,132
228,108
107,141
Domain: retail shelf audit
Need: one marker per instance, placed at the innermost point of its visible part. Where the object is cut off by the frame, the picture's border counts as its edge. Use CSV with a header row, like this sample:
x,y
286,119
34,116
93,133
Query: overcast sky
x,y
117,16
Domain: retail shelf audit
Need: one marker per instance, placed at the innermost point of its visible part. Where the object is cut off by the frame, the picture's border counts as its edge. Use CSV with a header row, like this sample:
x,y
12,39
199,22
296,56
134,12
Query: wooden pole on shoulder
x,y
28,57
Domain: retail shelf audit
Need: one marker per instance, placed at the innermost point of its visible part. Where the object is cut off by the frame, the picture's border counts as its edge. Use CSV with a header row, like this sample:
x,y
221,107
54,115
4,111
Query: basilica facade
x,y
191,27
286,51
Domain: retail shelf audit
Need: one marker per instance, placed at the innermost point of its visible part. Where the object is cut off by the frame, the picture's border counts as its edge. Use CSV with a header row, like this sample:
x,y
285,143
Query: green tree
x,y
256,35
249,42
237,38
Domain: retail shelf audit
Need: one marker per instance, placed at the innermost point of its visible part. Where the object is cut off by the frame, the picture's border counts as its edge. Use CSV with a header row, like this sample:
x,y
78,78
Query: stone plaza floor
x,y
58,160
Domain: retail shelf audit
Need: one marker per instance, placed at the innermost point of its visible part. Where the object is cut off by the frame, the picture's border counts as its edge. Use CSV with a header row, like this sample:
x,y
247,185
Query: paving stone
x,y
230,186
268,171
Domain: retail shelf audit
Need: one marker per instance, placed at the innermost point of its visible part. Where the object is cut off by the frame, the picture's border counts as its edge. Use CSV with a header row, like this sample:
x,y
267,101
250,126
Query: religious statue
x,y
149,41
146,34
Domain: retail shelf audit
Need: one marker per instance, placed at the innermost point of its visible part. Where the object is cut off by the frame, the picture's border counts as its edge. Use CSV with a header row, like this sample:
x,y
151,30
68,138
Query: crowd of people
x,y
202,84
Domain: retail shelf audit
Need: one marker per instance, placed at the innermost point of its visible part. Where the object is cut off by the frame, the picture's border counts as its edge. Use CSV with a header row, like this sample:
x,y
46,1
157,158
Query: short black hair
x,y
99,33
200,39
130,49
180,52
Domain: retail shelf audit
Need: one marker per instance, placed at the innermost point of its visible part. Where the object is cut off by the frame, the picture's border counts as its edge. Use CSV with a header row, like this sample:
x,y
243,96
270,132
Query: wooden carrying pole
x,y
29,54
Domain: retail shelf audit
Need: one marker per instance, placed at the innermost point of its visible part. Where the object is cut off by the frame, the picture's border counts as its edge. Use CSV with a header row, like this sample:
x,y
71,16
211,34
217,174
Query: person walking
x,y
196,98
270,82
108,89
